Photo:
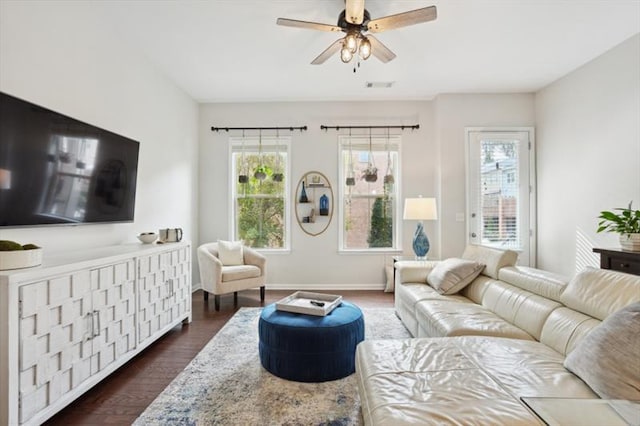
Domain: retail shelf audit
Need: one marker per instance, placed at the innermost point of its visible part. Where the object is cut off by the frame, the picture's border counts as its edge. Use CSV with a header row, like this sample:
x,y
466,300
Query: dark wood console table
x,y
619,260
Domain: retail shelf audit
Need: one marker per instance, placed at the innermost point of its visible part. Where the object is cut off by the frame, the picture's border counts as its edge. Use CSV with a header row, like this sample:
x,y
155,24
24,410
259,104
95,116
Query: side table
x,y
619,260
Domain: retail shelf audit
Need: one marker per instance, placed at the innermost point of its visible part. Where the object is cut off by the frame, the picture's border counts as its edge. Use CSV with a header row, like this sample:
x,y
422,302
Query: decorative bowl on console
x,y
16,256
147,237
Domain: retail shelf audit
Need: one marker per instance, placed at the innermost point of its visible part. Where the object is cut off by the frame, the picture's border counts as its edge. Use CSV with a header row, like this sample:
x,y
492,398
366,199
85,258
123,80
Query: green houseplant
x,y
623,221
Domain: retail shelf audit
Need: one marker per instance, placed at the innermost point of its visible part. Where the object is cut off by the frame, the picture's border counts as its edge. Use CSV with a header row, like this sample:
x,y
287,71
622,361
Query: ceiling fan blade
x,y
328,52
380,51
404,19
308,25
354,11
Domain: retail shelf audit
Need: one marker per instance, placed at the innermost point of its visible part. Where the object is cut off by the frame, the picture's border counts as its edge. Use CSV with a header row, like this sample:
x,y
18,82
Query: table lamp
x,y
420,209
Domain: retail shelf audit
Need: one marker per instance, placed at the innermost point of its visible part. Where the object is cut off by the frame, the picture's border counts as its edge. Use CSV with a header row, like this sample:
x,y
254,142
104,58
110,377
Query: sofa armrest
x,y
413,271
252,257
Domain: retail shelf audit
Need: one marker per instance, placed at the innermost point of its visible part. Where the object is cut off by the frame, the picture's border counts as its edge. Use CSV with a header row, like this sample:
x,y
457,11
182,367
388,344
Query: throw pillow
x,y
230,253
452,275
607,358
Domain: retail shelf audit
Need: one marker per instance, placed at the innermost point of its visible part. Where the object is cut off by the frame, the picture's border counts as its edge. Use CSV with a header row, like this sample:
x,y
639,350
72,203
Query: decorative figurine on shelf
x,y
303,195
324,205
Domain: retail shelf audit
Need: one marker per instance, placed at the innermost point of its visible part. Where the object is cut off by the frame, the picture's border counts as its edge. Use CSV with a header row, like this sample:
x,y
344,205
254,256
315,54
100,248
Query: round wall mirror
x,y
314,202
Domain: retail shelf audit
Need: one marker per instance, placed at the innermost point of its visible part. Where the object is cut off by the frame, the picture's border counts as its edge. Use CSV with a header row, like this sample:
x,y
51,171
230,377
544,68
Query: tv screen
x,y
57,170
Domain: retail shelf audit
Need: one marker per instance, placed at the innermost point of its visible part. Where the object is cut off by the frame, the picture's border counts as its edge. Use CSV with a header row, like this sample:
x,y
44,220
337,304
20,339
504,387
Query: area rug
x,y
226,385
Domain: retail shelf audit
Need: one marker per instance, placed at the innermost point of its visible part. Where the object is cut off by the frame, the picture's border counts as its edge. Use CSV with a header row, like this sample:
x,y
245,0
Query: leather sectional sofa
x,y
476,353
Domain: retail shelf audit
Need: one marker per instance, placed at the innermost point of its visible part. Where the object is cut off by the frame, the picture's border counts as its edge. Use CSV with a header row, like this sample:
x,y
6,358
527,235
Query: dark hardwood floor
x,y
122,397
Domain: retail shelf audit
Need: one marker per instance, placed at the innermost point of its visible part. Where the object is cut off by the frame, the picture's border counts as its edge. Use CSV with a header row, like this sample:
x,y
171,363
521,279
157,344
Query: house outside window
x,y
260,208
369,211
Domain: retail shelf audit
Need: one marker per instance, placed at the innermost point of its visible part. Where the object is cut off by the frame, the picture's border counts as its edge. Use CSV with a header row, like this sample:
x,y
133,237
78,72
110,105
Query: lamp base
x,y
420,242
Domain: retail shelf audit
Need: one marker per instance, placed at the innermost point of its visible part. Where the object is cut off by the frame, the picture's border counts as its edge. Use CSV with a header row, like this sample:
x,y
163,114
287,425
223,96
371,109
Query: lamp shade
x,y
420,209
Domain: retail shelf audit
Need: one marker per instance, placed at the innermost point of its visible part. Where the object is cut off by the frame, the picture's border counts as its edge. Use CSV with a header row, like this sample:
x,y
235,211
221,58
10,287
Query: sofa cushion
x,y
565,328
607,359
519,307
590,292
230,253
542,283
406,297
493,259
452,275
458,380
442,318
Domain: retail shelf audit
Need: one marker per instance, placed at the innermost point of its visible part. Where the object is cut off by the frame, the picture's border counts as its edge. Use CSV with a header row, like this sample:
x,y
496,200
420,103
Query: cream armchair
x,y
218,279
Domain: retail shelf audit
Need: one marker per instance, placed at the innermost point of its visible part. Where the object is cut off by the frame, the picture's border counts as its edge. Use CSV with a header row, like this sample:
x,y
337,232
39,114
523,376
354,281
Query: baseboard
x,y
314,287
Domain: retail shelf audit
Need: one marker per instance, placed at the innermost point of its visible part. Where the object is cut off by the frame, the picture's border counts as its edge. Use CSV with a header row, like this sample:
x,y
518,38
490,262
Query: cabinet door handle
x,y
89,318
96,314
624,265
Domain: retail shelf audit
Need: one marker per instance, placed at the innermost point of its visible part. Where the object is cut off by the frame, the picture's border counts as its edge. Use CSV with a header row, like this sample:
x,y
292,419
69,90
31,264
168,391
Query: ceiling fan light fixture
x,y
345,54
365,48
351,41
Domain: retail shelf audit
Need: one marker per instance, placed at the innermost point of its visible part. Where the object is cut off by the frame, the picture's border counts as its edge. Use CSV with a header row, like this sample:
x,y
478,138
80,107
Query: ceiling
x,y
233,51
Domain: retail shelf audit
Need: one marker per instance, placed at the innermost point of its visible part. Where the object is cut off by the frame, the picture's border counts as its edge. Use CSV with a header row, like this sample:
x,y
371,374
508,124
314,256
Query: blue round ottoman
x,y
309,348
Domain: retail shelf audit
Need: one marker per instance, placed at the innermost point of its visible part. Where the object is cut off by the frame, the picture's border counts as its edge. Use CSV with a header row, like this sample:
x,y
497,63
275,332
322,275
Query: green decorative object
x,y
6,245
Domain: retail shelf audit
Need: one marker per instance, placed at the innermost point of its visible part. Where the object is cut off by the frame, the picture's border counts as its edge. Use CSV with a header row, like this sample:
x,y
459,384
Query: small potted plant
x,y
14,255
626,223
370,174
261,172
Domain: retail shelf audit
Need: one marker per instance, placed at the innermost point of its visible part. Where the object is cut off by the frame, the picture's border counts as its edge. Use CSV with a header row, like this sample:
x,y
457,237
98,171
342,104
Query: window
x,y
368,211
260,208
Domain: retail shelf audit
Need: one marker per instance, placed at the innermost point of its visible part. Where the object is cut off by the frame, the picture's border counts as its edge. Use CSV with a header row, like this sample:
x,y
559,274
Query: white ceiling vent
x,y
379,84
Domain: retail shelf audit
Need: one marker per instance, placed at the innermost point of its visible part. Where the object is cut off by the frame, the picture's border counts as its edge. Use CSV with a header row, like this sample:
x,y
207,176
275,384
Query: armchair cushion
x,y
230,253
239,272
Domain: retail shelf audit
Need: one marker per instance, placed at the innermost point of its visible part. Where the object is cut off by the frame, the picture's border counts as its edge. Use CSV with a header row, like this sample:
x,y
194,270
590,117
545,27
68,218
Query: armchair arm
x,y
413,271
252,257
210,269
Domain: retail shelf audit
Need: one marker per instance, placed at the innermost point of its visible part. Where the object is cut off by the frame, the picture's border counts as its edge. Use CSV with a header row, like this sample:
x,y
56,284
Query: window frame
x,y
379,143
251,144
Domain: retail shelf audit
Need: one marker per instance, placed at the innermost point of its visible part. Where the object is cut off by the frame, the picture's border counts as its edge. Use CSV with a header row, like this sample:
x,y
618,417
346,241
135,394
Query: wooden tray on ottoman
x,y
300,302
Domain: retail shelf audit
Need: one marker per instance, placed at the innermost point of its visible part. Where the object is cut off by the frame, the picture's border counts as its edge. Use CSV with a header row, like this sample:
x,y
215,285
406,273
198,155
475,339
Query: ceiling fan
x,y
355,20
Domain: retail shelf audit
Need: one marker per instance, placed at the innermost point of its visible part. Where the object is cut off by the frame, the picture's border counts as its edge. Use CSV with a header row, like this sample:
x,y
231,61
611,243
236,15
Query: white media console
x,y
71,322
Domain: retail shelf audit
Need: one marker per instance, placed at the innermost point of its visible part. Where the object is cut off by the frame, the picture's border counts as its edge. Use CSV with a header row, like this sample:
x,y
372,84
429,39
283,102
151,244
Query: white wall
x,y
432,165
588,136
453,114
62,56
313,262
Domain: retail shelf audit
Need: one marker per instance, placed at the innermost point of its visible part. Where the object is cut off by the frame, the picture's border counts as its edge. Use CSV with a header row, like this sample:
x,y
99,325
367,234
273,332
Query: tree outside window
x,y
260,206
369,210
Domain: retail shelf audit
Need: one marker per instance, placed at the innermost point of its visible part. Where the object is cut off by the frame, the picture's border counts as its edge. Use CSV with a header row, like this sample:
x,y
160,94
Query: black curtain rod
x,y
412,127
226,129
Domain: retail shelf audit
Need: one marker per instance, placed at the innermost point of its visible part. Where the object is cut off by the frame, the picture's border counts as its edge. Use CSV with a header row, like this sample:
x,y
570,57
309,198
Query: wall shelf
x,y
308,213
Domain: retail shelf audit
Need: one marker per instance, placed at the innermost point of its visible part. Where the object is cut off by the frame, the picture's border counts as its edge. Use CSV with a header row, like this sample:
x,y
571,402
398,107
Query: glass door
x,y
500,191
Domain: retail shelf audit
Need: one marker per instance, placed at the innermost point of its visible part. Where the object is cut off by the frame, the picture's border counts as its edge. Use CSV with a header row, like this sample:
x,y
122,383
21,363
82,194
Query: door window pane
x,y
499,193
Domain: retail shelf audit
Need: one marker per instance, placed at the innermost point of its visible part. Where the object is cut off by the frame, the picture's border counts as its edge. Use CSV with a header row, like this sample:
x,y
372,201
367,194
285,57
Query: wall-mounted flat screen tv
x,y
58,170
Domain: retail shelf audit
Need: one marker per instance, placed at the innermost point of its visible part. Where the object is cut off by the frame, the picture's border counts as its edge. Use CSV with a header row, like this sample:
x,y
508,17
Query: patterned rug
x,y
226,385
